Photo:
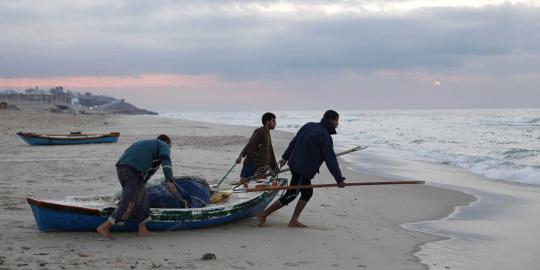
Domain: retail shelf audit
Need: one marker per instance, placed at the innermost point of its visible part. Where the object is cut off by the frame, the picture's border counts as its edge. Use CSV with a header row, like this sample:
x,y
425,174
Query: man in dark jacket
x,y
258,152
306,152
136,165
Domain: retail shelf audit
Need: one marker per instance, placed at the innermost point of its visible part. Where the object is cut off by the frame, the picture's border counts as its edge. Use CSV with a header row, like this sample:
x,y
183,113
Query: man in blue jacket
x,y
306,152
138,163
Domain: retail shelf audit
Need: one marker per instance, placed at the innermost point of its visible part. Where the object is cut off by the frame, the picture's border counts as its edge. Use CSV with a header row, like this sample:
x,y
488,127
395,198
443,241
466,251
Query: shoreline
x,y
350,228
346,164
502,216
409,226
429,253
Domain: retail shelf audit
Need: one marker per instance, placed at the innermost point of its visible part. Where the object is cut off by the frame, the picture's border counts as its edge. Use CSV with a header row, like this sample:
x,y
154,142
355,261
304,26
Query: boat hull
x,y
58,217
33,139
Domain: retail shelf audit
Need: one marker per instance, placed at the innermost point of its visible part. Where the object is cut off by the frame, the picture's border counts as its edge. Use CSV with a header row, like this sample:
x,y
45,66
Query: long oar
x,y
225,176
354,149
379,183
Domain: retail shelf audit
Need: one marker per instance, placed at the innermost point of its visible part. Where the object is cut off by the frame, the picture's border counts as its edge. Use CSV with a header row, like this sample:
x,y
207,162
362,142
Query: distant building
x,y
35,91
57,96
8,92
57,90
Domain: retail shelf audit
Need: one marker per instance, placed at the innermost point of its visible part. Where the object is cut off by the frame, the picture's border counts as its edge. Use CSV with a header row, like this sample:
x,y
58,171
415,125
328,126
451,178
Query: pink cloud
x,y
157,90
140,81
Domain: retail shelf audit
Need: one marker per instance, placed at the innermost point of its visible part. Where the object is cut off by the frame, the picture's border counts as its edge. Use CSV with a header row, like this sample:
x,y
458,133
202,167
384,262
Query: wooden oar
x,y
354,149
379,183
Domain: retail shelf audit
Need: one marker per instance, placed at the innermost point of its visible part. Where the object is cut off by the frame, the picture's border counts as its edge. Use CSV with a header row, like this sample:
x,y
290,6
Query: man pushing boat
x,y
306,152
136,165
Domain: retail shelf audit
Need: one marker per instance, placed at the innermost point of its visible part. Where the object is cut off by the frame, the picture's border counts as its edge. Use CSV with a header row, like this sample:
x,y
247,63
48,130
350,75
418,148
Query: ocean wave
x,y
519,174
519,153
511,121
490,167
535,120
495,144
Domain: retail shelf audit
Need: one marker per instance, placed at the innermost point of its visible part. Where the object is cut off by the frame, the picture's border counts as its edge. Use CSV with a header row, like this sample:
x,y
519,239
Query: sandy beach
x,y
483,235
351,228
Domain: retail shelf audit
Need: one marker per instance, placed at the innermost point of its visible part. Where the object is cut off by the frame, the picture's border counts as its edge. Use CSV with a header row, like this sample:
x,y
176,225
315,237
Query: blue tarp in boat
x,y
191,192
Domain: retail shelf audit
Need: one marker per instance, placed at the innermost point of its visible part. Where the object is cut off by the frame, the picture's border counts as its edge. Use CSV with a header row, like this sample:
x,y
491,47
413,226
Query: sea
x,y
497,144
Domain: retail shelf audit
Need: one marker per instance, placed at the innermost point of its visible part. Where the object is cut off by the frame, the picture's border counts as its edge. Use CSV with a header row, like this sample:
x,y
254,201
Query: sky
x,y
172,56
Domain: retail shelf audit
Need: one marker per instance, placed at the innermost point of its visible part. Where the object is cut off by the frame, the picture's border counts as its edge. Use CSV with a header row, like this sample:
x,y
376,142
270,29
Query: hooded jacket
x,y
259,150
311,146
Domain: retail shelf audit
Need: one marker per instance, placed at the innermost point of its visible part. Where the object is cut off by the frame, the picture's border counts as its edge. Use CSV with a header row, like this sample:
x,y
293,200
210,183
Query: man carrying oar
x,y
258,152
306,152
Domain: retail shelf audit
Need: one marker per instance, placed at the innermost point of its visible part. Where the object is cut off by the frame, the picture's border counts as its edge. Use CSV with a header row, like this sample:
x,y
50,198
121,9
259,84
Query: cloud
x,y
254,39
171,55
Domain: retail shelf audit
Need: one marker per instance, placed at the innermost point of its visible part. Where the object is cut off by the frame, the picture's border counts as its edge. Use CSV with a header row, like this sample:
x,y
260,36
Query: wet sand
x,y
497,231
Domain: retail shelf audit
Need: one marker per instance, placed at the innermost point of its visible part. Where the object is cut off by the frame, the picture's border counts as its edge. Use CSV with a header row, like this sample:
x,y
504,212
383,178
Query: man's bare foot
x,y
104,232
143,232
146,234
262,219
296,224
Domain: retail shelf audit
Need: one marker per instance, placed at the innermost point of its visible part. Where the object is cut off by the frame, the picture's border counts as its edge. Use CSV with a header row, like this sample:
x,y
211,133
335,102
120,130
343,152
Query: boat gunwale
x,y
160,211
62,207
68,137
97,211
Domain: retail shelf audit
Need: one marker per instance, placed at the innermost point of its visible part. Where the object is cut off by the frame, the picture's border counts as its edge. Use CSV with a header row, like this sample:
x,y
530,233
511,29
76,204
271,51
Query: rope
x,y
260,172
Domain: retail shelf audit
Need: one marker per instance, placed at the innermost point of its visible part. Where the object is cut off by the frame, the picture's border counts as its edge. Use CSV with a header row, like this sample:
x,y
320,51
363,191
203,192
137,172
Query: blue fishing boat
x,y
88,212
67,139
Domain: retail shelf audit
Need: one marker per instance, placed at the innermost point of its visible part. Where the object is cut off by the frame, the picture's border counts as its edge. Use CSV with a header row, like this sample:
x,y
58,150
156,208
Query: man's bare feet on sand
x,y
296,224
145,233
104,232
262,219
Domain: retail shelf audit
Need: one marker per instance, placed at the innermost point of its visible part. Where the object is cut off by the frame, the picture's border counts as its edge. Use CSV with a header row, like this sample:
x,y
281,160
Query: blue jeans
x,y
248,170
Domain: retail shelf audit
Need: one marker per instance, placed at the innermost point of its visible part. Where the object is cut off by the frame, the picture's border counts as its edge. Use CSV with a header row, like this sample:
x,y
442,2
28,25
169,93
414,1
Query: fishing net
x,y
191,192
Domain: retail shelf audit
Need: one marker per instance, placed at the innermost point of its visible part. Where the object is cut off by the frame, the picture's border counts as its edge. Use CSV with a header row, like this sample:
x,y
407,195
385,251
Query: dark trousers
x,y
291,194
134,200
